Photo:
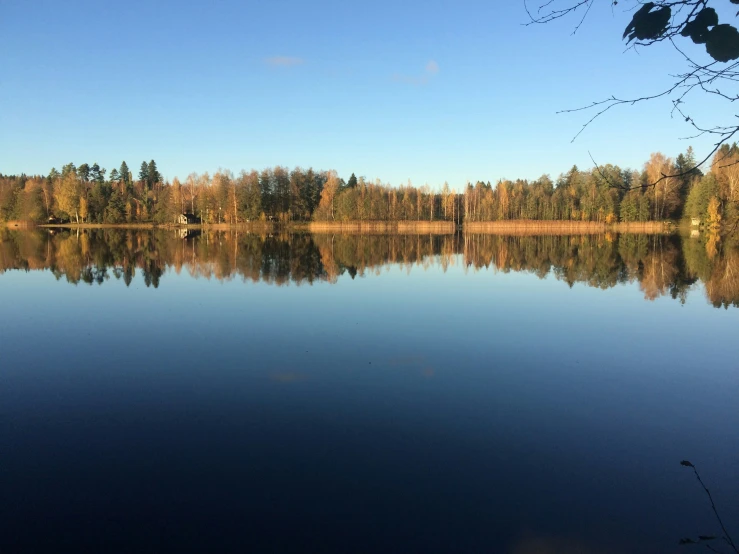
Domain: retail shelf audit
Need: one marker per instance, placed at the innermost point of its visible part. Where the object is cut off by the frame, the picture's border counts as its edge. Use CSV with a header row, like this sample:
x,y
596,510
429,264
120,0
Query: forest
x,y
605,194
663,265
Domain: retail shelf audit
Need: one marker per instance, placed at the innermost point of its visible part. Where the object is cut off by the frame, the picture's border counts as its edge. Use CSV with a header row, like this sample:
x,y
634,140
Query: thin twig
x,y
727,537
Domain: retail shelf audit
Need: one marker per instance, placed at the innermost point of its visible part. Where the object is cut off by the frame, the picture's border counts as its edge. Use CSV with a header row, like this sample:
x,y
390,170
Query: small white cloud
x,y
430,70
283,61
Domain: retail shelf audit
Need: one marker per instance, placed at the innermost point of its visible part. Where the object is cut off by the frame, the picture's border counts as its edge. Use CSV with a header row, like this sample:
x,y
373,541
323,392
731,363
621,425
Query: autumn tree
x,y
67,194
725,167
224,199
666,189
29,200
177,199
83,208
190,189
328,194
714,214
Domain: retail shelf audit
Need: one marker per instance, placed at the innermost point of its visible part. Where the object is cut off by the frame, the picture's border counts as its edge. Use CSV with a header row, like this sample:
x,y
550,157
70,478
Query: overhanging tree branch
x,y
660,21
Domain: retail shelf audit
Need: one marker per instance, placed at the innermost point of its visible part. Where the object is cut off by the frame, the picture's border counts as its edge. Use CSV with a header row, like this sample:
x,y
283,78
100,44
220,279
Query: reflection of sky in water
x,y
466,410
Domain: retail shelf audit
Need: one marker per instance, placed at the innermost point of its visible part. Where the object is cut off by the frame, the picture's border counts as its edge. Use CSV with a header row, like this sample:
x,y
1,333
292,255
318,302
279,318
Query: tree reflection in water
x,y
661,264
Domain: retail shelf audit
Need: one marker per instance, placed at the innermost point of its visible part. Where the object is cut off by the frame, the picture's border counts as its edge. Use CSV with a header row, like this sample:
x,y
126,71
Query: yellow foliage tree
x,y
726,169
67,195
328,194
83,211
666,192
714,213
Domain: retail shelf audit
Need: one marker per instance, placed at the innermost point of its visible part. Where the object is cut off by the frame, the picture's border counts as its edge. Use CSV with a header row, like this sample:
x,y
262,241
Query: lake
x,y
203,391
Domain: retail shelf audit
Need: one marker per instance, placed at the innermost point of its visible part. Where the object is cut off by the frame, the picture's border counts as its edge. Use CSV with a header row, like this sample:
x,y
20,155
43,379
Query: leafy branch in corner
x,y
668,21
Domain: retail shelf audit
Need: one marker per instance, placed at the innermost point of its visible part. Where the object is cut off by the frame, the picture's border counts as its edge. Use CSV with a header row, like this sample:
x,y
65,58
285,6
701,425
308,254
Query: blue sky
x,y
429,91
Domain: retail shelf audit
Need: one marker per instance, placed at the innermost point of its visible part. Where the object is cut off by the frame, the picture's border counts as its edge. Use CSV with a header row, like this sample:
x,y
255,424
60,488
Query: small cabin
x,y
695,222
188,219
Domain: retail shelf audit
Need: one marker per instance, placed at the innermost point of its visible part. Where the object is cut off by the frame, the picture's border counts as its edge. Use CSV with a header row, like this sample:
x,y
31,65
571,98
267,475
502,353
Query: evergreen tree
x,y
114,210
153,174
83,172
688,175
144,174
98,200
700,196
352,183
67,169
97,174
125,174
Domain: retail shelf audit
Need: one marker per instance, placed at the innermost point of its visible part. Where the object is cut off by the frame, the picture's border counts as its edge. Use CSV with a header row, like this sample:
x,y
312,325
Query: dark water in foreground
x,y
365,394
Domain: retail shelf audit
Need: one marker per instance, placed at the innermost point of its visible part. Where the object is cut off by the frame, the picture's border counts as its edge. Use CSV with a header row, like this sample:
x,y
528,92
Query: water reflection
x,y
662,265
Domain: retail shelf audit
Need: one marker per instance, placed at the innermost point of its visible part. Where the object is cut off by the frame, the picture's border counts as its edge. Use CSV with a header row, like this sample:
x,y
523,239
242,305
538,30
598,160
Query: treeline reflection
x,y
662,265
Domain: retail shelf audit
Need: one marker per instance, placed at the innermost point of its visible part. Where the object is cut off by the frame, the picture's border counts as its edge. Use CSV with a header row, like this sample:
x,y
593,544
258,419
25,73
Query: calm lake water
x,y
339,393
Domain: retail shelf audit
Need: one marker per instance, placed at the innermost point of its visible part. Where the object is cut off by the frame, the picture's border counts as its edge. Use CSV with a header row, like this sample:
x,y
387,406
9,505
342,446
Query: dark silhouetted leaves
x,y
722,43
647,24
687,541
706,538
698,28
686,463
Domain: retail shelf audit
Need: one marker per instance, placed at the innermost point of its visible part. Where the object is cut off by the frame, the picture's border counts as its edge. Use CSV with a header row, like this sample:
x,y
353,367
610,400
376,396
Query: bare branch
x,y
727,537
709,78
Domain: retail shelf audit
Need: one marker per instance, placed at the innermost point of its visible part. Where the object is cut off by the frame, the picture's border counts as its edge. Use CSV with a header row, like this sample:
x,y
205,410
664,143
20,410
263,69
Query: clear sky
x,y
429,91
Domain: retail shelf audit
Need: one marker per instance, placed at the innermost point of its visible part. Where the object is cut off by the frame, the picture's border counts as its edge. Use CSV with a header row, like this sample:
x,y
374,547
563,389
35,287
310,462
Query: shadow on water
x,y
662,265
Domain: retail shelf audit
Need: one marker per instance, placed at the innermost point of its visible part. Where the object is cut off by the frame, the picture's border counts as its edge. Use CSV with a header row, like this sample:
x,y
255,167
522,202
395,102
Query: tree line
x,y
607,194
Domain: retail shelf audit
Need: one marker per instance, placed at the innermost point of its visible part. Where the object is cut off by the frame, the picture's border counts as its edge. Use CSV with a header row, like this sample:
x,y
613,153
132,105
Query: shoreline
x,y
384,227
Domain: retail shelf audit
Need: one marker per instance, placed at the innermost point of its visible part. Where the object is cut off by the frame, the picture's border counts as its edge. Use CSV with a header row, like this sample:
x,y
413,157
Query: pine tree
x,y
67,169
97,173
352,183
125,174
83,172
144,174
153,174
114,211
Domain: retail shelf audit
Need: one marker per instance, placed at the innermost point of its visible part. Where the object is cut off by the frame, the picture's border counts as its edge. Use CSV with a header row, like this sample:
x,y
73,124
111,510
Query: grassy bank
x,y
18,224
258,226
523,227
406,227
99,226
